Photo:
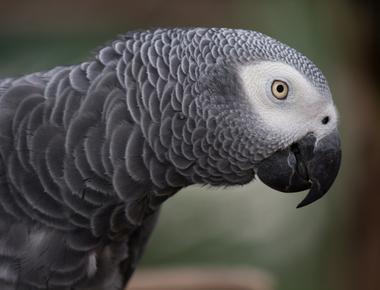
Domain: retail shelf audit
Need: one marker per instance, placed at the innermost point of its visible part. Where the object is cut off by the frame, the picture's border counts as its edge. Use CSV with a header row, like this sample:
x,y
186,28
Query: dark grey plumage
x,y
89,152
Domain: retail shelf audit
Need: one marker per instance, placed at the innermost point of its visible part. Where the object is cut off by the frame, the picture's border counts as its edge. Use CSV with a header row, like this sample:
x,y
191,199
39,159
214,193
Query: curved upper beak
x,y
307,164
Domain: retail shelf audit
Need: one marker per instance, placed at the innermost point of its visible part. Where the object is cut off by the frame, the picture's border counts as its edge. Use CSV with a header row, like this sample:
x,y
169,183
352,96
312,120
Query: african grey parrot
x,y
89,152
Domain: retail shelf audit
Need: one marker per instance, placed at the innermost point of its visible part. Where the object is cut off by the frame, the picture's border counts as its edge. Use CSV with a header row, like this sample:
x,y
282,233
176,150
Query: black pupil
x,y
280,88
325,120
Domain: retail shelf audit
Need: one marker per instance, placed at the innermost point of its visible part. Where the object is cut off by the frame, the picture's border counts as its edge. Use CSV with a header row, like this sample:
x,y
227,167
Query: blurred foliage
x,y
308,249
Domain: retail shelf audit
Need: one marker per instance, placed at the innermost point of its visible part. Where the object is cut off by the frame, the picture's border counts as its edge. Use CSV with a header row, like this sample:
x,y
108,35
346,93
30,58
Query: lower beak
x,y
307,164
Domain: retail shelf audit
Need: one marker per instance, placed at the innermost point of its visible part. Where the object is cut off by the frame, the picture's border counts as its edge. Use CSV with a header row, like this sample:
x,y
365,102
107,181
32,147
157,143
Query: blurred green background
x,y
333,244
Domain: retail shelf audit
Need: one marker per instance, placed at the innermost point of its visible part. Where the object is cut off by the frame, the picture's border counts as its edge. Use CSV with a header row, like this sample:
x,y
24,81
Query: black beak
x,y
305,164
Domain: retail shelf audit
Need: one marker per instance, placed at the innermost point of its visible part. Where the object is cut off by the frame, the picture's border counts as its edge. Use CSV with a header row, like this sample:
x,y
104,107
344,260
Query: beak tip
x,y
315,193
300,205
303,203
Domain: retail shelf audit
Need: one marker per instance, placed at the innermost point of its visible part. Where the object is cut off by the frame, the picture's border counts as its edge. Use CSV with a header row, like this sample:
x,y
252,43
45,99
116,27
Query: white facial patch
x,y
291,118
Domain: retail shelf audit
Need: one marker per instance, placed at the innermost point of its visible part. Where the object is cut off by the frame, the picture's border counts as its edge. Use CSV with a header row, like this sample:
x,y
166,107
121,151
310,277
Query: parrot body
x,y
89,152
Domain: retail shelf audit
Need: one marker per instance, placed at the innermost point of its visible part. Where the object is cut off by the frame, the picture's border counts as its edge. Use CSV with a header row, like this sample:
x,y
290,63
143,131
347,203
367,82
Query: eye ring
x,y
280,89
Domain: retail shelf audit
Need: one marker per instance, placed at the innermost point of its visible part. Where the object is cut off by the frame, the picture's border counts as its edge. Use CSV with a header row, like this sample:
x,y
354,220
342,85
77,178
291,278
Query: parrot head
x,y
268,112
301,118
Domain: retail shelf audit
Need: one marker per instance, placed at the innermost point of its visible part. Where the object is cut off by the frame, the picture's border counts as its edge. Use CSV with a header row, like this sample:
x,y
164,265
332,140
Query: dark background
x,y
333,244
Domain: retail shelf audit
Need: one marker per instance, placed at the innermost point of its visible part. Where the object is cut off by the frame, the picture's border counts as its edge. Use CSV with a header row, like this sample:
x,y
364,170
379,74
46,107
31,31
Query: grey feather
x,y
89,152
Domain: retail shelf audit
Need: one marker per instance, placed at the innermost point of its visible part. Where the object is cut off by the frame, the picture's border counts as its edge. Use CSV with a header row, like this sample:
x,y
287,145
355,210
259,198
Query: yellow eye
x,y
280,89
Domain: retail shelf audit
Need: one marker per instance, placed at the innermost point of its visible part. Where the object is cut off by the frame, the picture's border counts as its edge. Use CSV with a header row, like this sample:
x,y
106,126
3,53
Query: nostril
x,y
325,120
